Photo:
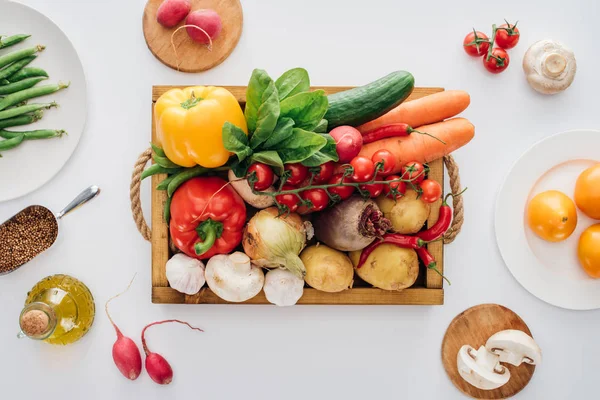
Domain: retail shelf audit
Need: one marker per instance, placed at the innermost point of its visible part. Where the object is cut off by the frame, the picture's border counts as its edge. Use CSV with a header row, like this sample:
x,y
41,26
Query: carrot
x,y
426,110
455,132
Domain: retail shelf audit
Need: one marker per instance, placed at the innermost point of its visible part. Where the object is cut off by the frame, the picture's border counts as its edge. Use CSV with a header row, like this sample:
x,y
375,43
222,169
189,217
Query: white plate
x,y
549,271
32,164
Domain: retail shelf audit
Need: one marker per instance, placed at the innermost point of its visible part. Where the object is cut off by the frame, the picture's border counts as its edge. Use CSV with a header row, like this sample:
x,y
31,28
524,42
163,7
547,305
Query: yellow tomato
x,y
587,192
589,250
552,216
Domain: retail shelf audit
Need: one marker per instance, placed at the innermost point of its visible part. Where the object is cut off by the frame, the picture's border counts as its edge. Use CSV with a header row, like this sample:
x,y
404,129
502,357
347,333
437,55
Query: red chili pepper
x,y
441,226
405,241
386,131
429,261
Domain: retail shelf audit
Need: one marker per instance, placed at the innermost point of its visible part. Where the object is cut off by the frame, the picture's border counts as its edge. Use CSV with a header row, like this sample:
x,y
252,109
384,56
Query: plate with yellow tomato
x,y
548,220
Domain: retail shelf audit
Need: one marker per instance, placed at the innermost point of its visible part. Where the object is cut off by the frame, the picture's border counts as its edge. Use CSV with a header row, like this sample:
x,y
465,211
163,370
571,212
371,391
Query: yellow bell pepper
x,y
189,124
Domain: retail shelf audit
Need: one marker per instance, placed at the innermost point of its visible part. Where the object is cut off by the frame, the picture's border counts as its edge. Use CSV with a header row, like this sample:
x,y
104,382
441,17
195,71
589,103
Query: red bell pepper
x,y
207,217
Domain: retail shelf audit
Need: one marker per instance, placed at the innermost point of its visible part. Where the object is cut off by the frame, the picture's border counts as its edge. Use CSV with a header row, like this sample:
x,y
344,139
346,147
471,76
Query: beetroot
x,y
171,12
208,22
125,352
157,367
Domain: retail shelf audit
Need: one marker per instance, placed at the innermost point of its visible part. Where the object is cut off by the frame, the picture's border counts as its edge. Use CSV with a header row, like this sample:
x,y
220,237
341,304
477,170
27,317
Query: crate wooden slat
x,y
431,293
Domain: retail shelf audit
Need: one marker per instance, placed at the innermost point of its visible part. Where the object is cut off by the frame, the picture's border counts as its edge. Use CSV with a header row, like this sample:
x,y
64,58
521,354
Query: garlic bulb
x,y
185,274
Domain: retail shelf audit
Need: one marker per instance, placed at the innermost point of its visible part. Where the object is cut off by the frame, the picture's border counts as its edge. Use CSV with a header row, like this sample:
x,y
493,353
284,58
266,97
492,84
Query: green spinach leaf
x,y
268,114
306,109
300,145
259,82
240,169
292,82
236,141
325,154
269,157
282,131
321,126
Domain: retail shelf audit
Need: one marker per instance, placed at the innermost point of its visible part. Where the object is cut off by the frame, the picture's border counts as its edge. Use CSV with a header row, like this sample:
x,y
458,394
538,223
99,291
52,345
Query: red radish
x,y
158,368
209,23
171,12
125,352
348,142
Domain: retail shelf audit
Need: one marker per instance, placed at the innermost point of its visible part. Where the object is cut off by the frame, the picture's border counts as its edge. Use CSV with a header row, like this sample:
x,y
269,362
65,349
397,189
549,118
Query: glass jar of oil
x,y
59,310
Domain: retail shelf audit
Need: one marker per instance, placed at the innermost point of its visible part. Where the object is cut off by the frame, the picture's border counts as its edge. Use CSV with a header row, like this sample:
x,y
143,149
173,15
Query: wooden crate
x,y
428,290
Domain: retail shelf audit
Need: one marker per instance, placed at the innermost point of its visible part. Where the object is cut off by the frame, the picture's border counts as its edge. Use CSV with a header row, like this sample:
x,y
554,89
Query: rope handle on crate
x,y
142,226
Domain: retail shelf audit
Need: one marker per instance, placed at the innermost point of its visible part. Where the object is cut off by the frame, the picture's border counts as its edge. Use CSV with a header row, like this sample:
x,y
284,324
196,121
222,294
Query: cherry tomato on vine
x,y
343,191
289,200
297,173
374,189
364,169
507,36
399,186
476,43
498,62
318,198
415,171
388,159
432,191
325,173
264,176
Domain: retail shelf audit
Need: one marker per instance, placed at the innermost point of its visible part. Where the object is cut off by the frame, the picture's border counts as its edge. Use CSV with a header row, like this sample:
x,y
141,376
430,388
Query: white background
x,y
317,352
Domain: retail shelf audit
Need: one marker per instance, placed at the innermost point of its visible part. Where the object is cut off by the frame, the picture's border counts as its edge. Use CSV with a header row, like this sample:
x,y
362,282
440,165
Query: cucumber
x,y
365,103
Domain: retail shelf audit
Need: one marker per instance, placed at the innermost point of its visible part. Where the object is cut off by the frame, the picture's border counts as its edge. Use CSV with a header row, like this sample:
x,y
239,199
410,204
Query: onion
x,y
272,240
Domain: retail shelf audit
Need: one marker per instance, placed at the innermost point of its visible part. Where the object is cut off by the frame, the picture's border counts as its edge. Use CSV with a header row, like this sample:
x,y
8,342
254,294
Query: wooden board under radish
x,y
190,56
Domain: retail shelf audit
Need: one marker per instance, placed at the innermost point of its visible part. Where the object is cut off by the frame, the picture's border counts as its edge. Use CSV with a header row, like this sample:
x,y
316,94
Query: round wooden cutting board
x,y
474,326
193,57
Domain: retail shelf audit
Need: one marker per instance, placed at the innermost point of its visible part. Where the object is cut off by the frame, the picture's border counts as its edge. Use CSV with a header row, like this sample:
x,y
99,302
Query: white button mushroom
x,y
549,66
282,287
233,278
242,187
481,368
185,274
515,347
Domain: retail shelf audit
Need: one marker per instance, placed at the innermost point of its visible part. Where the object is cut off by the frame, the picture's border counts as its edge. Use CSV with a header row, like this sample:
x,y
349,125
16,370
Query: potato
x,y
407,214
388,267
327,269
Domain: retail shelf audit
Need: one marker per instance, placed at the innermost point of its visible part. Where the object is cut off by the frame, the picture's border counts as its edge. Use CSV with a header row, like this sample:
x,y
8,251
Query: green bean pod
x,y
157,150
162,161
16,66
33,135
167,211
157,169
17,55
25,119
11,143
13,112
183,176
30,93
12,40
164,184
20,85
27,72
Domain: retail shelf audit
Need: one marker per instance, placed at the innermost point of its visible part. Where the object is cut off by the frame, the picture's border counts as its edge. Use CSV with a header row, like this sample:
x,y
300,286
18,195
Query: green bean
x,y
12,40
27,72
164,184
162,161
155,169
33,135
183,176
20,85
13,112
11,143
17,55
157,150
16,67
167,210
25,119
30,93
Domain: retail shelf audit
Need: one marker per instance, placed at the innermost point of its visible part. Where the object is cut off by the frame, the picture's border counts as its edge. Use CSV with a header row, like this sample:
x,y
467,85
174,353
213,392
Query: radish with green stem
x,y
125,352
157,367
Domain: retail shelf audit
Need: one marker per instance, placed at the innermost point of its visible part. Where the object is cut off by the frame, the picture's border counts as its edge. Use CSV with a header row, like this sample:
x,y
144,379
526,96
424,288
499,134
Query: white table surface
x,y
316,352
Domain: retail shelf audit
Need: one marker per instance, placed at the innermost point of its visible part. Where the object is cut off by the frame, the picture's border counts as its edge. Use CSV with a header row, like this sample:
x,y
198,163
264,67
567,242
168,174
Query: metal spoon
x,y
21,243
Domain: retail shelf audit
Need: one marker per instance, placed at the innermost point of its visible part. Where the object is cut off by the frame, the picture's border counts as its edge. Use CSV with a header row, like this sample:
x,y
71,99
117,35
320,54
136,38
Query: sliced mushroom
x,y
481,368
549,66
514,347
